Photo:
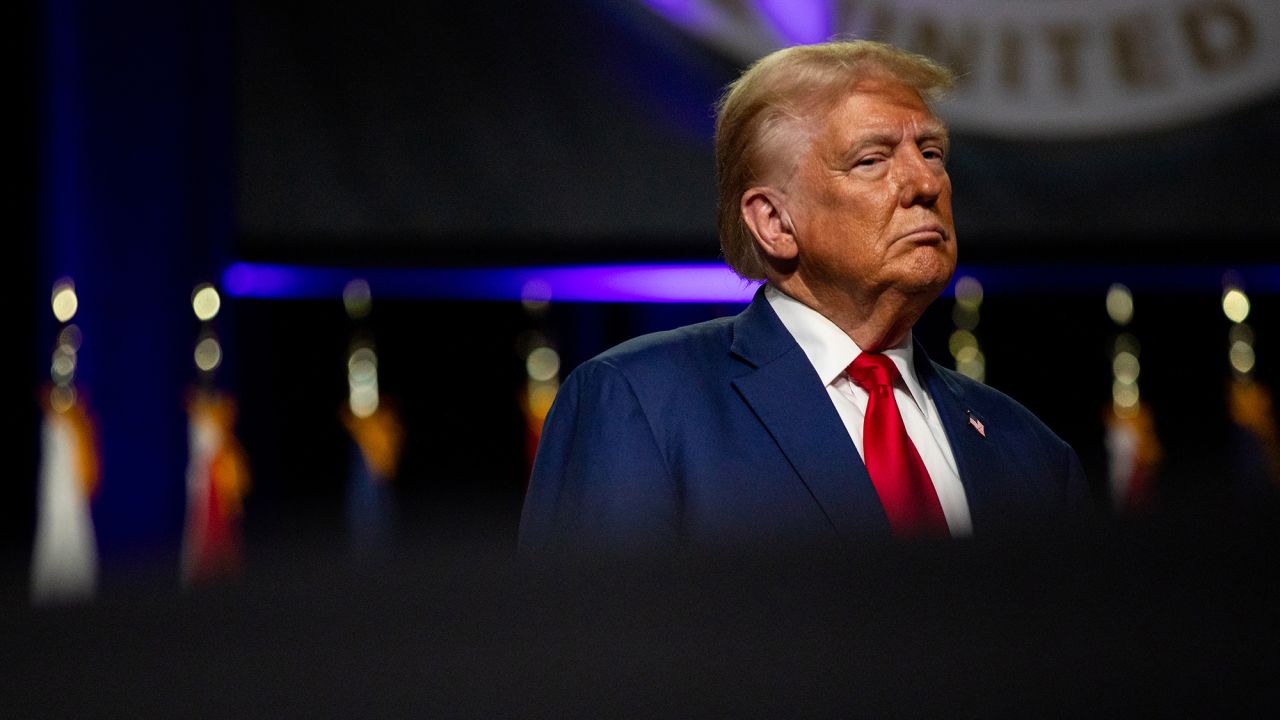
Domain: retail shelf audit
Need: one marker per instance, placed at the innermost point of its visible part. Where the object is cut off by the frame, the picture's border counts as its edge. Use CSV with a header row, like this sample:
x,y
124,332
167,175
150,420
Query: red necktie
x,y
896,470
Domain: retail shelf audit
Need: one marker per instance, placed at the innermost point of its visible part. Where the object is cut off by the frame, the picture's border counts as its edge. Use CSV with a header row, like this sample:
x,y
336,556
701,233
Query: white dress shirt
x,y
831,351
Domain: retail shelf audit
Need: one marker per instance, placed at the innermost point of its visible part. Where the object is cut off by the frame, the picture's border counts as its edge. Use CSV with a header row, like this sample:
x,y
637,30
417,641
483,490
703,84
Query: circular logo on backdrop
x,y
1035,68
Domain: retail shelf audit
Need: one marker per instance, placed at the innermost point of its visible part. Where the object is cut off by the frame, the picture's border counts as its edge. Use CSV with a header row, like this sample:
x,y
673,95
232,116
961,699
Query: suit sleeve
x,y
600,484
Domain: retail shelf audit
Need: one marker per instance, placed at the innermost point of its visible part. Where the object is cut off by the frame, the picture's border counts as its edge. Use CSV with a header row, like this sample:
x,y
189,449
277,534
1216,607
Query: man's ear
x,y
769,223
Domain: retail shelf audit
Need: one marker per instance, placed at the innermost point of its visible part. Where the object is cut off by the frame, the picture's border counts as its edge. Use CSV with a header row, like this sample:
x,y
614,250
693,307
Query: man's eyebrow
x,y
875,139
878,138
928,131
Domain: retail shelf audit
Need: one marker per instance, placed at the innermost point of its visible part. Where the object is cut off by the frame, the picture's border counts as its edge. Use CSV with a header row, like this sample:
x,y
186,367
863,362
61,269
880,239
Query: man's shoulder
x,y
694,345
672,374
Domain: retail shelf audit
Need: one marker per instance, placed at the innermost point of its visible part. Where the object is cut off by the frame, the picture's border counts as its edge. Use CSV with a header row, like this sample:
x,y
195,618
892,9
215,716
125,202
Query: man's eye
x,y
934,154
869,161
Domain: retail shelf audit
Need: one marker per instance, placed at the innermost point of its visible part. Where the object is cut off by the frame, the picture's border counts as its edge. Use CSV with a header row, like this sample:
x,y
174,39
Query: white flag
x,y
64,563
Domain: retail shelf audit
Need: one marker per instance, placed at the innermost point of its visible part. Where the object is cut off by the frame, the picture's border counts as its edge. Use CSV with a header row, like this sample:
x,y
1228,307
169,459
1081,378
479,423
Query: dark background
x,y
404,127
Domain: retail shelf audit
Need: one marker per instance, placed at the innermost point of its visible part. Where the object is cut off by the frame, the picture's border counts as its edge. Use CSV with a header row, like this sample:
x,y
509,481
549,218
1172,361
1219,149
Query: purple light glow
x,y
686,283
690,283
793,22
798,21
649,283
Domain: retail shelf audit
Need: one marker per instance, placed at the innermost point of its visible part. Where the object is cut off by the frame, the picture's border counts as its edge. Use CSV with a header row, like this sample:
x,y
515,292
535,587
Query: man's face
x,y
870,199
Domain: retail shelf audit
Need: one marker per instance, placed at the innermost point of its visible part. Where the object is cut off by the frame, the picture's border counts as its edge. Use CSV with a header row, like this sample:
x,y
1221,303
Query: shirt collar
x,y
830,350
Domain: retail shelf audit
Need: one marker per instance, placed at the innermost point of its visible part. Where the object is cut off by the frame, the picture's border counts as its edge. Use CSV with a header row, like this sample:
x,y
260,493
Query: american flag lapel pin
x,y
977,425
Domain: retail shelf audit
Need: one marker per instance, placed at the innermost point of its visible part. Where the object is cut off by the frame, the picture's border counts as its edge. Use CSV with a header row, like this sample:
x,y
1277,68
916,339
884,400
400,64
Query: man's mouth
x,y
928,234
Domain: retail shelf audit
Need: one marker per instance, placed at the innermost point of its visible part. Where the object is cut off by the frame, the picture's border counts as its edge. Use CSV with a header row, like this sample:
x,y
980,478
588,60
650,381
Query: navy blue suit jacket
x,y
722,434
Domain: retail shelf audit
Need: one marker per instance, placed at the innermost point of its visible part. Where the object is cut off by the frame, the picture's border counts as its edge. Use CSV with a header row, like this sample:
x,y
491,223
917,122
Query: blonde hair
x,y
763,105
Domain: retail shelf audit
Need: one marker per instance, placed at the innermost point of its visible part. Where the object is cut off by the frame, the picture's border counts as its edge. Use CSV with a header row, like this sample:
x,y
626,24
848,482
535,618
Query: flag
x,y
1257,454
377,441
535,402
1134,454
217,481
64,563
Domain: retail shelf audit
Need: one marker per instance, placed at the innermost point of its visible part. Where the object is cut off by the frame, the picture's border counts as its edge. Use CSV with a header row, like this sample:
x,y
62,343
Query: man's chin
x,y
932,288
929,276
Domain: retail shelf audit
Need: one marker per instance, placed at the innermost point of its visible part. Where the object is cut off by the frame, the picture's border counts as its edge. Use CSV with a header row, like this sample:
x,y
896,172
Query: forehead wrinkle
x,y
892,93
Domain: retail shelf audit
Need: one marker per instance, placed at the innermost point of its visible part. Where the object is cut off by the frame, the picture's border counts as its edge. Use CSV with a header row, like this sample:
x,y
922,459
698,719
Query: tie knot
x,y
873,370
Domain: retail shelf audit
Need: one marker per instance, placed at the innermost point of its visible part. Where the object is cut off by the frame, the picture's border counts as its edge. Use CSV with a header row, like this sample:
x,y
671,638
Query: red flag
x,y
1134,455
217,481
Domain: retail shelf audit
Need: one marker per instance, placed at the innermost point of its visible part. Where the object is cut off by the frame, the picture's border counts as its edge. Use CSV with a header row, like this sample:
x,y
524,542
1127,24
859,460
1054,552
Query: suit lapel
x,y
972,441
784,392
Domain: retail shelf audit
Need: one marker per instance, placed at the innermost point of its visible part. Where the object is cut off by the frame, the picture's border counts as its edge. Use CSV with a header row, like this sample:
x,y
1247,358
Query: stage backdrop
x,y
580,129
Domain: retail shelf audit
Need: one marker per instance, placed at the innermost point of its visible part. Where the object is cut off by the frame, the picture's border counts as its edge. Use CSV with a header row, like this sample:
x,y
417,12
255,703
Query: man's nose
x,y
920,181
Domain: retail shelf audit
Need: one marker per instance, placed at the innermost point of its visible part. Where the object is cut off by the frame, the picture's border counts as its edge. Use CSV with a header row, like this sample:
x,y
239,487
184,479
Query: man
x,y
811,417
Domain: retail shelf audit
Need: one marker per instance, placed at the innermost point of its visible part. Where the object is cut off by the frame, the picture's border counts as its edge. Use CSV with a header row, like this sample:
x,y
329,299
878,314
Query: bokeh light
x,y
1124,395
357,298
63,367
208,354
362,381
1125,367
363,400
543,363
62,398
1120,304
1235,305
69,339
206,302
961,339
64,300
1242,357
968,291
363,364
535,295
